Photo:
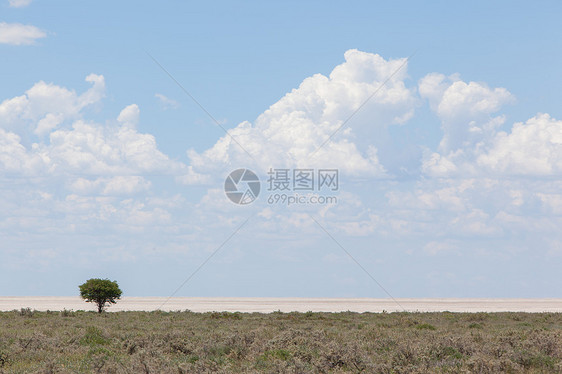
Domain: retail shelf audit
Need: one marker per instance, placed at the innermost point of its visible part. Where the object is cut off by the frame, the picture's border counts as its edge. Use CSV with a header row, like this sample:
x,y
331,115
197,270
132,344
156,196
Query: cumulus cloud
x,y
129,116
18,34
465,109
291,130
466,112
48,123
81,147
65,174
93,149
45,106
467,199
533,148
529,149
14,157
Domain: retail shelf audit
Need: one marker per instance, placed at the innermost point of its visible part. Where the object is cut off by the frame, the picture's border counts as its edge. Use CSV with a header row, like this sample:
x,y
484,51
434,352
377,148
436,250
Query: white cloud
x,y
14,157
290,131
48,123
66,175
45,106
93,149
465,109
430,196
191,177
436,165
129,116
18,34
166,102
19,3
81,148
531,148
115,186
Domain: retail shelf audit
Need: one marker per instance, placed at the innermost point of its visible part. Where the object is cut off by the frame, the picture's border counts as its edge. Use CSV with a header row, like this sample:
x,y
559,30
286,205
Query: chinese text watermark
x,y
285,186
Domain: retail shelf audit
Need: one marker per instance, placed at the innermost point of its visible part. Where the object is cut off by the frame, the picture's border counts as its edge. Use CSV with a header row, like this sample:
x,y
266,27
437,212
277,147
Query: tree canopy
x,y
101,292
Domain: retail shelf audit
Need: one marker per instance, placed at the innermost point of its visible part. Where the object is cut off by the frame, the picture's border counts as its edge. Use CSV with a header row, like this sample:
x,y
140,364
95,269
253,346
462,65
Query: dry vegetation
x,y
186,342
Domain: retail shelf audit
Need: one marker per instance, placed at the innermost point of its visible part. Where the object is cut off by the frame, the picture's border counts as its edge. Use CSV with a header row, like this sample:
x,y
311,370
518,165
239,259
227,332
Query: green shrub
x,y
425,326
93,336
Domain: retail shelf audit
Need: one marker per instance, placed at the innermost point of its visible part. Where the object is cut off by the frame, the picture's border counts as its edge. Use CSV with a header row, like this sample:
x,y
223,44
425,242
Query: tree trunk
x,y
100,307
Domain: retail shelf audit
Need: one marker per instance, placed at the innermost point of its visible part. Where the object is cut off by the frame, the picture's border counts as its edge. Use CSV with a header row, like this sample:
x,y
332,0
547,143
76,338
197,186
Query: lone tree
x,y
101,292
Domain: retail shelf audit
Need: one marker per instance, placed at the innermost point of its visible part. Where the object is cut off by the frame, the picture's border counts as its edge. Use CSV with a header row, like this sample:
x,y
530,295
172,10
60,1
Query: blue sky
x,y
449,175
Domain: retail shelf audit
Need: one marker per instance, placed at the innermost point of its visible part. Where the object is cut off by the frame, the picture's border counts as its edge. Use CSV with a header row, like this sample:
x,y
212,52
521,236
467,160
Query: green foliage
x,y
101,292
225,315
535,360
93,337
281,354
265,360
26,312
425,326
66,313
442,353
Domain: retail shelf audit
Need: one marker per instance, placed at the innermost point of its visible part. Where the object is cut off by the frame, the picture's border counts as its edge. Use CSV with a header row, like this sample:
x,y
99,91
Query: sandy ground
x,y
266,305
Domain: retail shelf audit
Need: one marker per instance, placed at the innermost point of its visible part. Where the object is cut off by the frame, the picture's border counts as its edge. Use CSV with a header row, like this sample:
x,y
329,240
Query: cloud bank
x,y
488,186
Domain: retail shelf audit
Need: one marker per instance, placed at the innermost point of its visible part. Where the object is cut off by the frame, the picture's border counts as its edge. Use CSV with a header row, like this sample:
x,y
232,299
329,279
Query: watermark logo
x,y
302,186
303,180
285,186
242,186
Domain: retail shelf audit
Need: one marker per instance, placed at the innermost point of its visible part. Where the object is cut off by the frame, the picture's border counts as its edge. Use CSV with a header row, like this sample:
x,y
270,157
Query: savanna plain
x,y
223,342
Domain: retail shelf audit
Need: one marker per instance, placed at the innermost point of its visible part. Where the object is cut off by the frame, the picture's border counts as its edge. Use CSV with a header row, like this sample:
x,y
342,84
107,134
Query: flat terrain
x,y
268,305
222,342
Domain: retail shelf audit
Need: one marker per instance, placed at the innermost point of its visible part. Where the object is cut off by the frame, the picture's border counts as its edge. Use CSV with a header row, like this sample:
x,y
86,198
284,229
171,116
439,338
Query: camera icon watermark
x,y
242,186
284,186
